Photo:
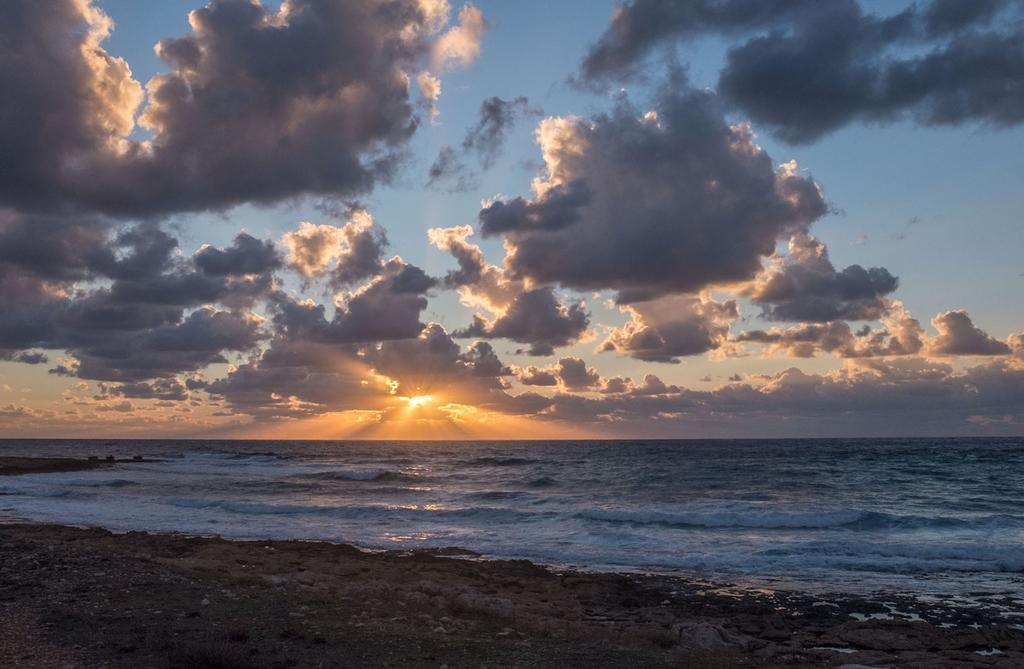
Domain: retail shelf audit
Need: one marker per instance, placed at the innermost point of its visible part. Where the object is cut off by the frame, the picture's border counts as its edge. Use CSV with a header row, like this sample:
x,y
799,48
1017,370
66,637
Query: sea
x,y
935,517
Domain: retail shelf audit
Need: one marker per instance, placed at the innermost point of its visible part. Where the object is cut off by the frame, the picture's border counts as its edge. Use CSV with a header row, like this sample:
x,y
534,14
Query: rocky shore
x,y
12,466
74,597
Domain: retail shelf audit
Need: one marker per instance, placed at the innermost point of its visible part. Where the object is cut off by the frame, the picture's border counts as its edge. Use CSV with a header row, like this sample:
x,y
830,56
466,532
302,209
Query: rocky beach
x,y
74,597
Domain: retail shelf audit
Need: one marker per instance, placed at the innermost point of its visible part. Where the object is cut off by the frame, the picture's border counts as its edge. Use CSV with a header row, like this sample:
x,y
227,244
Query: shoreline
x,y
184,600
167,600
14,466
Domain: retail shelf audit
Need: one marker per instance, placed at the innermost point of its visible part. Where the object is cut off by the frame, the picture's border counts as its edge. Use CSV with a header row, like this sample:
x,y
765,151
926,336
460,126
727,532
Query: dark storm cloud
x,y
807,68
959,336
807,287
484,141
537,318
259,104
667,201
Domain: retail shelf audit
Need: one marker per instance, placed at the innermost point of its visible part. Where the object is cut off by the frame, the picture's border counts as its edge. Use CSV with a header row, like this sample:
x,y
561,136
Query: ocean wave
x,y
236,456
53,493
483,514
795,520
759,519
108,483
276,486
497,494
364,475
498,461
896,557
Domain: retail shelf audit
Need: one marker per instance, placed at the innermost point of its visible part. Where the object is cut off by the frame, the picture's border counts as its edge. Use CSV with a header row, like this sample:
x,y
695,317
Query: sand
x,y
73,597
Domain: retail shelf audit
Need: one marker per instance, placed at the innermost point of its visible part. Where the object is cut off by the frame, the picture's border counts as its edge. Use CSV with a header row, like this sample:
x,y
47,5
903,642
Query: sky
x,y
416,219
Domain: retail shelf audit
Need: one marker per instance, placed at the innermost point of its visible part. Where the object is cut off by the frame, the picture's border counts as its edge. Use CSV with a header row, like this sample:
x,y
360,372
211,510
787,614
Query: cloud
x,y
805,286
912,396
166,350
430,92
298,377
569,373
355,249
538,376
26,357
459,46
449,168
900,335
247,255
639,26
294,378
959,336
388,307
807,68
1016,343
534,317
665,329
575,374
668,201
126,304
497,116
65,97
531,315
169,389
433,364
484,140
259,104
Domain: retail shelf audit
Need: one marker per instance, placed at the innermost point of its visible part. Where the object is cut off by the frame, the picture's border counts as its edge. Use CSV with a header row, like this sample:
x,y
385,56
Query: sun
x,y
418,400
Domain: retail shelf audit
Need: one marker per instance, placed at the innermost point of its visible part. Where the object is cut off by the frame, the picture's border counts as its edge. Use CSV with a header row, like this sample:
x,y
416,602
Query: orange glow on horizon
x,y
448,422
418,400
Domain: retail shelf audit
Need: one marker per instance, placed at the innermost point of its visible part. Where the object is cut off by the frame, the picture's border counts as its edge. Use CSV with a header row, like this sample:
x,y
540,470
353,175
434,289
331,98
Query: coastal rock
x,y
495,607
906,636
708,636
